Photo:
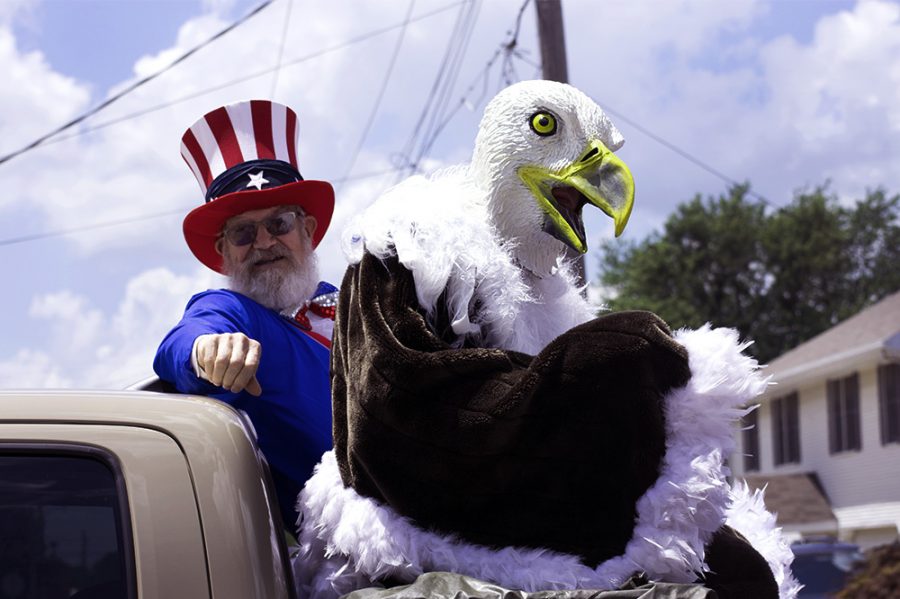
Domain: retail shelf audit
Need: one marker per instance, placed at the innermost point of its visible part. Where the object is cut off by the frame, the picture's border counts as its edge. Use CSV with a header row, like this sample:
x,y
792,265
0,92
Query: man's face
x,y
277,270
268,251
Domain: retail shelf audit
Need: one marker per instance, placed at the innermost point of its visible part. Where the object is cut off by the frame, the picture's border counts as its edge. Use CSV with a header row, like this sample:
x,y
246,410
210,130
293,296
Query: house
x,y
825,440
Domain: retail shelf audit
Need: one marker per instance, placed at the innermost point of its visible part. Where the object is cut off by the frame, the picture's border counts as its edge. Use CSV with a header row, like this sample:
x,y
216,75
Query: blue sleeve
x,y
215,311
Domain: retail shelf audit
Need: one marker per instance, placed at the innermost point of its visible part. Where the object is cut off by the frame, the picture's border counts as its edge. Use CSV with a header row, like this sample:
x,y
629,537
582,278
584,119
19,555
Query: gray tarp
x,y
446,585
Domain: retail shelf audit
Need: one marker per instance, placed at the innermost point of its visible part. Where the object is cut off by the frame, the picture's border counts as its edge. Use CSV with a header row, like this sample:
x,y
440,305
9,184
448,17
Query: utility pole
x,y
553,42
554,67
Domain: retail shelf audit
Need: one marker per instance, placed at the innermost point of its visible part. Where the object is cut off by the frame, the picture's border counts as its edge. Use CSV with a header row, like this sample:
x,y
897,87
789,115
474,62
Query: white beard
x,y
281,288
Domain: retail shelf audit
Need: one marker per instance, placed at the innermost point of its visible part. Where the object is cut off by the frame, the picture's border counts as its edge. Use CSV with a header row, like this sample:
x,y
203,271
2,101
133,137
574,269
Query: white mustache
x,y
255,256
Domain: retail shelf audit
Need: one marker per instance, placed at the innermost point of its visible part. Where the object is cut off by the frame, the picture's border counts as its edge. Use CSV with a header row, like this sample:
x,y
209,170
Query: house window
x,y
843,414
751,441
786,429
889,402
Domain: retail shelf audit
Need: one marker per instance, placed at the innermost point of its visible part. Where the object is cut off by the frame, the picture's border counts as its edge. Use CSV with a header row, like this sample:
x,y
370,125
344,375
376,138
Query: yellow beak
x,y
598,177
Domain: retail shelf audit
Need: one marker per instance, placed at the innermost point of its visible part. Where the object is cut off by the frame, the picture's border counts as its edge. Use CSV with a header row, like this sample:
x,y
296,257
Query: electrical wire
x,y
506,48
436,106
384,84
508,72
408,148
463,101
242,79
284,31
669,145
683,153
451,60
442,104
453,74
352,41
109,101
152,215
91,227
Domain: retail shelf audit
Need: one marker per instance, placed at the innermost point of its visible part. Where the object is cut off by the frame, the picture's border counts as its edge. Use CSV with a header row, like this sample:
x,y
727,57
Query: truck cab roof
x,y
196,513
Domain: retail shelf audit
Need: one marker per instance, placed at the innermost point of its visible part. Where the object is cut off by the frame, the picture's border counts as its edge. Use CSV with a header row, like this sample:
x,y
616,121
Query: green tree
x,y
779,276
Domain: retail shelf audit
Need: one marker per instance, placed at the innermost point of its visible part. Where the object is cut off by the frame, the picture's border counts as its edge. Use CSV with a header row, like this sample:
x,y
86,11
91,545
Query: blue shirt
x,y
292,417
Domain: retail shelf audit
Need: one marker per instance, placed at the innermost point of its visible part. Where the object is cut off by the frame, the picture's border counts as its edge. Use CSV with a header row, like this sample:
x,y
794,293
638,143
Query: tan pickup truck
x,y
133,494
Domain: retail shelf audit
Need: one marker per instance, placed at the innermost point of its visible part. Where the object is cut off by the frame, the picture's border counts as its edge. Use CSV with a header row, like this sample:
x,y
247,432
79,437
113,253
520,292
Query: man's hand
x,y
228,360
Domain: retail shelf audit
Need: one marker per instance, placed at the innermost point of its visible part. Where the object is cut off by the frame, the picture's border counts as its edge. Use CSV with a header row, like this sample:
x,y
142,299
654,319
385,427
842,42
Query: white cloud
x,y
33,96
834,110
15,9
88,348
32,369
77,327
779,112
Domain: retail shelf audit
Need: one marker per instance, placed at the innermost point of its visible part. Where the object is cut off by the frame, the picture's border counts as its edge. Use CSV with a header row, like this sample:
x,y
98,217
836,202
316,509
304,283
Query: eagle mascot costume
x,y
492,436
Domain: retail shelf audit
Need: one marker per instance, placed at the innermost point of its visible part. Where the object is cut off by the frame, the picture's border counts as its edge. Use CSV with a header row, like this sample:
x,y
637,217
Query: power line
x,y
352,41
455,66
482,75
667,144
384,84
134,86
284,30
515,32
407,150
683,153
238,80
436,103
111,223
507,48
508,72
150,216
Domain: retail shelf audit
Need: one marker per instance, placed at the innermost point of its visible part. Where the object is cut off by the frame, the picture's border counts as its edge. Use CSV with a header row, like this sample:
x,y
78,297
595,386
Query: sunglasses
x,y
245,233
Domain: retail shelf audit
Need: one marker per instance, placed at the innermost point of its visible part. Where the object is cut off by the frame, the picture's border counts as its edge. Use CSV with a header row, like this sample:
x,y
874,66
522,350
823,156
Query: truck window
x,y
62,530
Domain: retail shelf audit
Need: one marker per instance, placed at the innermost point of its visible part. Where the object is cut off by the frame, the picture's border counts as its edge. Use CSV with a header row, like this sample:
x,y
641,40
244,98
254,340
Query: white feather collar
x,y
440,230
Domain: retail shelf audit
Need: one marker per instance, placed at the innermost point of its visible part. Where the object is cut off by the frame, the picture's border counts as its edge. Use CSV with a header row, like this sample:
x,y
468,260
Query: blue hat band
x,y
252,175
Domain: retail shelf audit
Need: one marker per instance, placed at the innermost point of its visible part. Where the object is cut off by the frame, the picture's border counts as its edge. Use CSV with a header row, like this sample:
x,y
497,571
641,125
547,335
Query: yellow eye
x,y
543,123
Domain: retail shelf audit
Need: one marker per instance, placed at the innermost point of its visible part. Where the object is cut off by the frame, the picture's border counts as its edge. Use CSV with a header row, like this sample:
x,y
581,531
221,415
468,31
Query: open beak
x,y
598,177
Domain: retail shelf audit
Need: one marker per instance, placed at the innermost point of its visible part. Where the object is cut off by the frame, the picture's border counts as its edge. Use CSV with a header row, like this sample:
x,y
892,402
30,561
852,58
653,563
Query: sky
x,y
785,94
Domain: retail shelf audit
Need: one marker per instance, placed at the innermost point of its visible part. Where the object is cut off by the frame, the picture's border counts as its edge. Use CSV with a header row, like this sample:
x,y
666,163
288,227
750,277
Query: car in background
x,y
823,565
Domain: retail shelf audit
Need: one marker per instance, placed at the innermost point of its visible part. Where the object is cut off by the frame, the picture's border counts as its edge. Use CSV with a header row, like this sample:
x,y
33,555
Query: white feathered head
x,y
543,151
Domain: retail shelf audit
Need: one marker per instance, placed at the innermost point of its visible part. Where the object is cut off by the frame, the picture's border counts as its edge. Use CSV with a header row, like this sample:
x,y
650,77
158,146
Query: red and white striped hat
x,y
244,156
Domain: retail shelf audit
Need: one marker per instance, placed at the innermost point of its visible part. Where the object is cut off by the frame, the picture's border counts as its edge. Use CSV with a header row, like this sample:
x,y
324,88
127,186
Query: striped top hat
x,y
244,156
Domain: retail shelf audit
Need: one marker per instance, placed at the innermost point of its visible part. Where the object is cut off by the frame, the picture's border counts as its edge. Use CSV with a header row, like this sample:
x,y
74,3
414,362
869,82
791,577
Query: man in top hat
x,y
263,345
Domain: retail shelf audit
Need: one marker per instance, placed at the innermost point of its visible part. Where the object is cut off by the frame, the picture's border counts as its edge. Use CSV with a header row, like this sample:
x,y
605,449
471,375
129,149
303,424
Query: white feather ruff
x,y
748,515
440,230
348,541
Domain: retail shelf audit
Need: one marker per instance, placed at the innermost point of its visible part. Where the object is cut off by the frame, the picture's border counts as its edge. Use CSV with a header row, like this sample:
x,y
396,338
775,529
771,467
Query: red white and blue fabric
x,y
316,317
244,156
238,133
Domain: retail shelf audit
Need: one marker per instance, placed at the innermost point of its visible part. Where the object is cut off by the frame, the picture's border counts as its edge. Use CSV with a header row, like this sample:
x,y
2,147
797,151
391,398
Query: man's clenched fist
x,y
228,360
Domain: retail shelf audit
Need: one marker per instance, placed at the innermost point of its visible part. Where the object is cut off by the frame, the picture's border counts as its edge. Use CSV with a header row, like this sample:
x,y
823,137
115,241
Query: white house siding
x,y
869,524
863,486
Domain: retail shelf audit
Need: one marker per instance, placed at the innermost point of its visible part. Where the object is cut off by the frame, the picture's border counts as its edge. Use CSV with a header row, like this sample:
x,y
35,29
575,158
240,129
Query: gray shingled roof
x,y
796,498
877,325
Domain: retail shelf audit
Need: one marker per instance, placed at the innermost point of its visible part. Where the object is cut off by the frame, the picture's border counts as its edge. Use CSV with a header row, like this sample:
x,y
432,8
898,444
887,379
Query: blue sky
x,y
783,93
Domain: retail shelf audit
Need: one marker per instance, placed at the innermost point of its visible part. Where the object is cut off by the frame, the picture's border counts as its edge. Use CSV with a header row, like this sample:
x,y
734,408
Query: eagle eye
x,y
543,123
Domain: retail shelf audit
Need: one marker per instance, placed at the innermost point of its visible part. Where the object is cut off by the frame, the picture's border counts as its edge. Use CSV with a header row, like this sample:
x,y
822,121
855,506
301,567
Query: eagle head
x,y
543,151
